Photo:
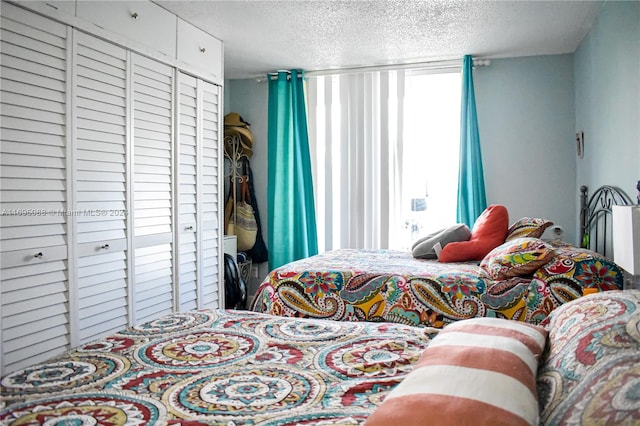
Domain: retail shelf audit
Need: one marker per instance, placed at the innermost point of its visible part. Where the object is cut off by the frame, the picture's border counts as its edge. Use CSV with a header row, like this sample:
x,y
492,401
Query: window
x,y
431,147
382,143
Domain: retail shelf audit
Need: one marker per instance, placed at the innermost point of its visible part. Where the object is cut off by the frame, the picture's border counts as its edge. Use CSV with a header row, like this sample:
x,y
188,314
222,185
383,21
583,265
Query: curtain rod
x,y
418,66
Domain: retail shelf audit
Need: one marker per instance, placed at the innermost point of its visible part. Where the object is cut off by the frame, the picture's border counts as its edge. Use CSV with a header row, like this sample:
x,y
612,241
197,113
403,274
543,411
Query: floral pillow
x,y
590,372
521,256
527,227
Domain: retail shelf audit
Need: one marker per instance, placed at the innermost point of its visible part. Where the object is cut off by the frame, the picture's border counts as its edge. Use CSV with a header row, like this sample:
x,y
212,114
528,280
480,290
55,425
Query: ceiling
x,y
263,36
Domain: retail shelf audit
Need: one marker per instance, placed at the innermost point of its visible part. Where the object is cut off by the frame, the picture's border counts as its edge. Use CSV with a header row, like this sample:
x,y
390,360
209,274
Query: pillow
x,y
488,233
528,227
520,256
424,247
590,373
475,371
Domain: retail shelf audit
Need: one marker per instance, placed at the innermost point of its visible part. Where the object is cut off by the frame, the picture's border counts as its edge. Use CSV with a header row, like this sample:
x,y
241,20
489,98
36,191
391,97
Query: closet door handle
x,y
38,255
188,228
105,247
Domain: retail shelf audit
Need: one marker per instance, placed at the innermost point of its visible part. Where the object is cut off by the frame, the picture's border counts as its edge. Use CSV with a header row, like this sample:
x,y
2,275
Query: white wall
x,y
607,79
526,121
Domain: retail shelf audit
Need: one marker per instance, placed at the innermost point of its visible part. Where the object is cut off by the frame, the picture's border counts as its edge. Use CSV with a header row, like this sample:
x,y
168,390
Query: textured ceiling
x,y
263,36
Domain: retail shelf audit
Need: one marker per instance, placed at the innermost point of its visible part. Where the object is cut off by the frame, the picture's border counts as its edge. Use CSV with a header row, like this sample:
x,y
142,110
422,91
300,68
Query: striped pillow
x,y
476,371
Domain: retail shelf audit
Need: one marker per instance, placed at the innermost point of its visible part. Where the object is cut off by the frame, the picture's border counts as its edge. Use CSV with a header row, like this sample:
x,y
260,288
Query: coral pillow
x,y
488,233
480,371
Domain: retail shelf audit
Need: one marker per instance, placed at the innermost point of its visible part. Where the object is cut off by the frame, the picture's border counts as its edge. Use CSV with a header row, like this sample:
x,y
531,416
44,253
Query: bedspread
x,y
218,368
392,286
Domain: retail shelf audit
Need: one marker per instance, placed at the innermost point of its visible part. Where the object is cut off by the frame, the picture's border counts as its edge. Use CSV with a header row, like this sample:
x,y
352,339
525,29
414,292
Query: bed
x,y
393,286
221,367
231,368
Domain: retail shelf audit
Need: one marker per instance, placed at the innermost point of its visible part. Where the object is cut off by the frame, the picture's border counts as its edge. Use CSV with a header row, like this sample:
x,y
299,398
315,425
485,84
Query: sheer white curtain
x,y
356,141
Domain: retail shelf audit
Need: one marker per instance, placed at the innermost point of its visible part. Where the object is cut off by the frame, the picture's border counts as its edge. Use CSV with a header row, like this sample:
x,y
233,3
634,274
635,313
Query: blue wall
x,y
607,103
526,121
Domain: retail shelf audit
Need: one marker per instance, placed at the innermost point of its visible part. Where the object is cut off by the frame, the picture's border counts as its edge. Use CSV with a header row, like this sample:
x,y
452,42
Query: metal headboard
x,y
595,217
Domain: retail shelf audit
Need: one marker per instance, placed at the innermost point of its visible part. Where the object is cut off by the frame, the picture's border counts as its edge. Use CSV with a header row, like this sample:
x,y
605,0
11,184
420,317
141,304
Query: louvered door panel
x,y
100,95
187,191
153,226
33,181
208,203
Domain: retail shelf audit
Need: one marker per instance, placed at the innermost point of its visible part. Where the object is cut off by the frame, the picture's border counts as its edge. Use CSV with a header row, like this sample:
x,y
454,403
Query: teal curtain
x,y
292,221
472,200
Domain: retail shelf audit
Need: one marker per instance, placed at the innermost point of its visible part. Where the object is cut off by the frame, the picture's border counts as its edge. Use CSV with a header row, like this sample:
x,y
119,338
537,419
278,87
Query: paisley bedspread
x,y
218,368
392,286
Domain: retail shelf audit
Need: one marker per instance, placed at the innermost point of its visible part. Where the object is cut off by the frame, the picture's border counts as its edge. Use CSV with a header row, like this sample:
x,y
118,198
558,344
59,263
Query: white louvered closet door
x,y
210,192
152,188
188,217
34,188
100,95
198,193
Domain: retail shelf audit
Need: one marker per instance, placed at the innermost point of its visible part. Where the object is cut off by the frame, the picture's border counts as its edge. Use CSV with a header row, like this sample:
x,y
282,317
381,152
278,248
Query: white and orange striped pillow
x,y
475,372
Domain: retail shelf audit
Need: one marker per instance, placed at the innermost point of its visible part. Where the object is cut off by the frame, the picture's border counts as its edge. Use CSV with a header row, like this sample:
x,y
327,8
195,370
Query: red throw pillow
x,y
488,233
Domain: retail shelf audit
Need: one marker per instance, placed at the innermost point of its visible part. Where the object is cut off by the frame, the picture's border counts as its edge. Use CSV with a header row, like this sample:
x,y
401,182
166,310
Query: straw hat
x,y
234,124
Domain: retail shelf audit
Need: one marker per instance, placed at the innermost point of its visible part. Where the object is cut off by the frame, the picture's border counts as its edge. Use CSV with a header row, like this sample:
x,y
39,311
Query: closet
x,y
109,181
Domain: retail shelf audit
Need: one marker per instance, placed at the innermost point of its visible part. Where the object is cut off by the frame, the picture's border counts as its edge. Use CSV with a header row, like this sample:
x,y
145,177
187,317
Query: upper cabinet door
x,y
52,8
34,188
100,95
199,49
142,22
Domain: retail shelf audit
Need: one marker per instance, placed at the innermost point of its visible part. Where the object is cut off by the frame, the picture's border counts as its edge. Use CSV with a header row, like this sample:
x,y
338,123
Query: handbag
x,y
258,253
240,218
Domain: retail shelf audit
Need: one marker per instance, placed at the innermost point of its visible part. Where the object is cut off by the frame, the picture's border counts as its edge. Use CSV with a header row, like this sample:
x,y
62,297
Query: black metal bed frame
x,y
595,216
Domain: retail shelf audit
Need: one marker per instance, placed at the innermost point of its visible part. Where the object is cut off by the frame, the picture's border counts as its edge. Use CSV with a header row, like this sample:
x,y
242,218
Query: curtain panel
x,y
472,200
292,225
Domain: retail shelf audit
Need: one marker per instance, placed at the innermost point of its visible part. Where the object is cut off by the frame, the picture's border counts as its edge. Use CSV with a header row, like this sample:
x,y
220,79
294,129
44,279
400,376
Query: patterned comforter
x,y
392,286
218,368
